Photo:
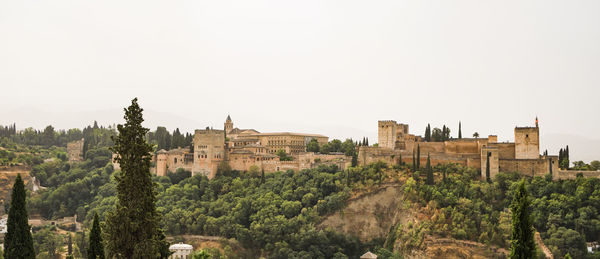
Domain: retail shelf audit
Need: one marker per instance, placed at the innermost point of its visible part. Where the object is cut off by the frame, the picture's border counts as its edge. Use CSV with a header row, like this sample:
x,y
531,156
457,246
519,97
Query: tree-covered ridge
x,y
566,212
272,215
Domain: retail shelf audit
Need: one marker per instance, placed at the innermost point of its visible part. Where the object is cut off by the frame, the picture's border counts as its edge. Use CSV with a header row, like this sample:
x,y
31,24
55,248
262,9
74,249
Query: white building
x,y
3,227
180,250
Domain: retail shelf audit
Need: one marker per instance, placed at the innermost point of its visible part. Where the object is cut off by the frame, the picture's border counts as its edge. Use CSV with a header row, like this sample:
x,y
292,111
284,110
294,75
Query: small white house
x,y
180,251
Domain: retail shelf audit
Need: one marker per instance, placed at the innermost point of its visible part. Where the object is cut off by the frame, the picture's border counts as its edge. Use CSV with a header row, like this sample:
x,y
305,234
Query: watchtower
x,y
386,136
527,142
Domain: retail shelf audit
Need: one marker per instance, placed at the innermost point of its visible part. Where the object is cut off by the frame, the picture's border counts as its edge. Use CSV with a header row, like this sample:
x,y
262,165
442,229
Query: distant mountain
x,y
580,148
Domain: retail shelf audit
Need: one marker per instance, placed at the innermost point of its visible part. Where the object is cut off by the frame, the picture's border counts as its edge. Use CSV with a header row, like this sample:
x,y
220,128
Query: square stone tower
x,y
527,142
389,132
209,151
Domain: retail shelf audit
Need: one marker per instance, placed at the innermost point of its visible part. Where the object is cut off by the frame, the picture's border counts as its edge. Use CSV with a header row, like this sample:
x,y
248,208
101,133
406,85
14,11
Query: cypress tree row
x,y
428,133
18,242
96,248
429,180
522,245
132,227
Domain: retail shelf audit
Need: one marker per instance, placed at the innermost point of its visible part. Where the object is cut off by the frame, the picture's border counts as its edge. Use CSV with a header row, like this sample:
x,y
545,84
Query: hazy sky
x,y
330,67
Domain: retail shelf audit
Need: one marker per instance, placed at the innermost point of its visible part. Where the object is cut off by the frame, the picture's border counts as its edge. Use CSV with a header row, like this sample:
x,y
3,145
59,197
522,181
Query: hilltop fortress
x,y
243,149
523,155
251,150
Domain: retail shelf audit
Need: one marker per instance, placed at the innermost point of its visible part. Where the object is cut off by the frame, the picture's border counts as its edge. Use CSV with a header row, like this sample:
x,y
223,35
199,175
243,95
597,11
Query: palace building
x,y
242,149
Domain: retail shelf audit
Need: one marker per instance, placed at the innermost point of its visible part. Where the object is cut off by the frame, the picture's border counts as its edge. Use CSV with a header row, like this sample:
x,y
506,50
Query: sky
x,y
313,66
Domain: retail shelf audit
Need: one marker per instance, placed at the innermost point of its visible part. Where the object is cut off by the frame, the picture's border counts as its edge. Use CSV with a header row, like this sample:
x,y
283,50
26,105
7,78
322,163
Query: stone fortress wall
x,y
521,156
75,150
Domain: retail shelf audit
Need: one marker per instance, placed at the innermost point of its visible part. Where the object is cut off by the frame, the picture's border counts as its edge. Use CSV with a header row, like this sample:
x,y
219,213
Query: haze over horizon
x,y
329,67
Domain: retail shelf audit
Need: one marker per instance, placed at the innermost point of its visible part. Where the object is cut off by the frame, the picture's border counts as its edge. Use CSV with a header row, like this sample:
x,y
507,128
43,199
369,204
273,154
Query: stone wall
x,y
75,150
505,150
528,167
462,147
572,174
430,147
310,160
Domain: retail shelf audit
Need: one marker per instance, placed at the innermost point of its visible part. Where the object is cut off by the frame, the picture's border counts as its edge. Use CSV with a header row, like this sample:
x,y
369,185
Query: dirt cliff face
x,y
374,214
7,179
368,216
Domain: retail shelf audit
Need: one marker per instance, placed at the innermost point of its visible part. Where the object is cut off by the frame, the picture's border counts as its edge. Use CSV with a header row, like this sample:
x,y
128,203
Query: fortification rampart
x,y
572,174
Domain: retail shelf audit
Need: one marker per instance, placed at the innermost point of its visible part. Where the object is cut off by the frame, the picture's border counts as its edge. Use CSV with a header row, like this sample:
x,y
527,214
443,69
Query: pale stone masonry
x,y
243,148
521,156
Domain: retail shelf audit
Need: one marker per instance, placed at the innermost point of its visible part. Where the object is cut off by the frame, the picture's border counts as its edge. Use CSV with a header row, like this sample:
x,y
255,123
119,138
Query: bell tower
x,y
228,124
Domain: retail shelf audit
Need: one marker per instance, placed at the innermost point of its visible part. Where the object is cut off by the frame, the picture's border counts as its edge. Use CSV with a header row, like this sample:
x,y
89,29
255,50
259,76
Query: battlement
x,y
387,122
209,131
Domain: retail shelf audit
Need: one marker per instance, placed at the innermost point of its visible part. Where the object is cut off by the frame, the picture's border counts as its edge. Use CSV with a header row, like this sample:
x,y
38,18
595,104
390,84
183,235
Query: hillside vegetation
x,y
323,212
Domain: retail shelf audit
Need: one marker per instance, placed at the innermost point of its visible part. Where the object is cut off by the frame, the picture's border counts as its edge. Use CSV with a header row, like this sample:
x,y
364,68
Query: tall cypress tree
x,y
429,171
459,130
419,157
399,159
487,169
428,133
414,163
566,155
560,158
18,242
70,245
522,245
132,227
96,248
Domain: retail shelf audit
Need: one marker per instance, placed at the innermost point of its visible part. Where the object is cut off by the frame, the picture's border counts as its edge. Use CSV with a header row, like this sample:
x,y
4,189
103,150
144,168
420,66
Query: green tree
x,y
132,227
459,130
476,135
18,242
419,157
200,255
487,168
428,133
595,165
437,135
522,244
283,156
69,245
312,146
48,244
429,180
399,159
414,162
96,248
48,136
